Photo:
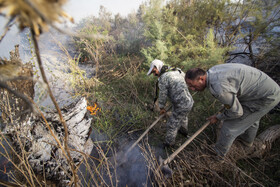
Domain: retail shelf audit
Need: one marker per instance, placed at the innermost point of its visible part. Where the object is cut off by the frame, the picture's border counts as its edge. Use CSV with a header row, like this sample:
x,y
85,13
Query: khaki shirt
x,y
238,86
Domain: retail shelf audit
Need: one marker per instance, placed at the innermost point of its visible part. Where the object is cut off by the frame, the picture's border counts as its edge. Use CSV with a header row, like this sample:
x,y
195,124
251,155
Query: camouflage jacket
x,y
238,86
172,85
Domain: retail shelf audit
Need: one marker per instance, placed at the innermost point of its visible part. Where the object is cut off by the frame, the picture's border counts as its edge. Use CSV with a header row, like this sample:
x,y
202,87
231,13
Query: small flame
x,y
93,109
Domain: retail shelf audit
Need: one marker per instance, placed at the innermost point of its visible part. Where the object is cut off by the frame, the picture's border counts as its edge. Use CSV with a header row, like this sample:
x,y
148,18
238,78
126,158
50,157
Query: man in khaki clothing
x,y
247,93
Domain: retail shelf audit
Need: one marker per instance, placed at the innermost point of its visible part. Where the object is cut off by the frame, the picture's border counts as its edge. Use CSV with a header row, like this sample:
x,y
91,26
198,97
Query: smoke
x,y
118,168
134,171
11,39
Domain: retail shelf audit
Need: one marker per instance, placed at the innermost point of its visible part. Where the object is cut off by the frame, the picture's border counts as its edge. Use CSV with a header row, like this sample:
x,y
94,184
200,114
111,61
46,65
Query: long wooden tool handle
x,y
171,157
147,130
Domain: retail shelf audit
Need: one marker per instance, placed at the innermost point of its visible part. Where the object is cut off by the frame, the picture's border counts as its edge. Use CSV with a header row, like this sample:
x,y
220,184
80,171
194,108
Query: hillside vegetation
x,y
183,34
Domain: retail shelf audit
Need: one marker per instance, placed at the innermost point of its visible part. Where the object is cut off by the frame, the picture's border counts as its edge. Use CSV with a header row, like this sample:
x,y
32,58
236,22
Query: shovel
x,y
165,169
172,156
123,156
147,130
164,164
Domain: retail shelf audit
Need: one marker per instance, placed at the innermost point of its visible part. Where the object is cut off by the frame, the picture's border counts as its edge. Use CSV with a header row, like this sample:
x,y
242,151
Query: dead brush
x,y
155,176
97,170
119,68
194,167
17,167
38,16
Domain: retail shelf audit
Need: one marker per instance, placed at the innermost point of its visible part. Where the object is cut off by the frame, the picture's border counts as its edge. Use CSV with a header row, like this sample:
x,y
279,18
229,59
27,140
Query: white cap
x,y
157,63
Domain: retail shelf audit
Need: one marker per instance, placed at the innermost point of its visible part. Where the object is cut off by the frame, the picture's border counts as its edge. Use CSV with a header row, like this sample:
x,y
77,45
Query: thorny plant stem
x,y
17,94
44,77
7,28
17,156
25,162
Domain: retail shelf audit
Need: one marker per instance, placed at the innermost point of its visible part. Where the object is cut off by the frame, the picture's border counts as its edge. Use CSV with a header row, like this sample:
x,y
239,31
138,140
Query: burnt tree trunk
x,y
44,155
34,140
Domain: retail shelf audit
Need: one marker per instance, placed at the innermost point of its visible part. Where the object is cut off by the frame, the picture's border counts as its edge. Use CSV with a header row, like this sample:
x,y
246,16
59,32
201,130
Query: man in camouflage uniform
x,y
247,93
171,84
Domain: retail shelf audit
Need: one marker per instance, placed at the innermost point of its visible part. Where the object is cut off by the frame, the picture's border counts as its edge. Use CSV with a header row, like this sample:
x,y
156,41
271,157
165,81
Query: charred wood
x,y
29,134
40,147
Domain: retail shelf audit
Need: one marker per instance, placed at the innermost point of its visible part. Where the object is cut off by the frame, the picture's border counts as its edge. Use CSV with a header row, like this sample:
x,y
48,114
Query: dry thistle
x,y
9,69
36,14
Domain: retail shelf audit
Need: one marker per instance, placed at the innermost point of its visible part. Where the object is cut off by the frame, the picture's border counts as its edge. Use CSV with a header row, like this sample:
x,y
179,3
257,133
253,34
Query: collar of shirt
x,y
207,80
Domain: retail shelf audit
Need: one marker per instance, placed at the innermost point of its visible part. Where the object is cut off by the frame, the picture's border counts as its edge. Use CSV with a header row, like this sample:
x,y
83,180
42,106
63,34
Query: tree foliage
x,y
188,33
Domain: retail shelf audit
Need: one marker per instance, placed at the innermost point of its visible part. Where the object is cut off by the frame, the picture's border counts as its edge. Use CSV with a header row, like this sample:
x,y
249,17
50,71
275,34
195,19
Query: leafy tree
x,y
177,43
154,32
202,55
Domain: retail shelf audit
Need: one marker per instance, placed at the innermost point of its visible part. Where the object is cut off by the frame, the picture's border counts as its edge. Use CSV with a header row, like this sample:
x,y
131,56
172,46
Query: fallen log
x,y
32,140
40,147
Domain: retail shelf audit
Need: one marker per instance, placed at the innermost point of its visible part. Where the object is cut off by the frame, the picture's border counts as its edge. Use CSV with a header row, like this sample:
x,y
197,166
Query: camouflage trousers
x,y
245,128
178,121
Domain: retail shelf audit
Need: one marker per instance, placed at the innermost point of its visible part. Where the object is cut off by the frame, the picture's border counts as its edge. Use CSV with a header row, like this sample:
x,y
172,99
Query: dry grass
x,y
192,167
